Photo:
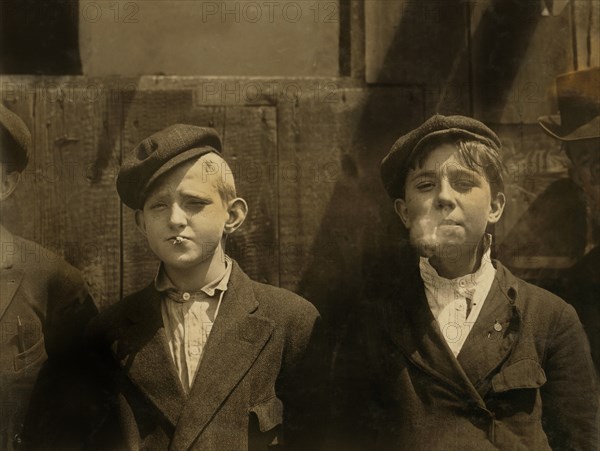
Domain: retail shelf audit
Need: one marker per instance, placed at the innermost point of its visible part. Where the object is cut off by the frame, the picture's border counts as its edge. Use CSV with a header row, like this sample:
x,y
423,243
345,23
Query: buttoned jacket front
x,y
253,376
522,381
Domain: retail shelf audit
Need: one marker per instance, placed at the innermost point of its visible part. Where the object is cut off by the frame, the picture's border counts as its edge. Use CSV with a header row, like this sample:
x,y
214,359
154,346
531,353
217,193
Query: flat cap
x,y
15,139
158,154
394,166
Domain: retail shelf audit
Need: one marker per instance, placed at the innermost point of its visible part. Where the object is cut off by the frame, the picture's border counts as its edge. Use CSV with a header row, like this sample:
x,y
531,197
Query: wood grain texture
x,y
420,43
517,54
66,200
250,143
587,32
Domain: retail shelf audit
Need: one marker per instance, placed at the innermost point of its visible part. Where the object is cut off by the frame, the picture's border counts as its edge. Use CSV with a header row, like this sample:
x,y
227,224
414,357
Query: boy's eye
x,y
464,184
158,205
196,204
425,186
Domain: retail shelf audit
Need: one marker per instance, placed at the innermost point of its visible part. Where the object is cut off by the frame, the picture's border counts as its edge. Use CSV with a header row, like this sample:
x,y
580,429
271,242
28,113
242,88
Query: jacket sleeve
x,y
61,396
356,384
70,307
570,395
303,385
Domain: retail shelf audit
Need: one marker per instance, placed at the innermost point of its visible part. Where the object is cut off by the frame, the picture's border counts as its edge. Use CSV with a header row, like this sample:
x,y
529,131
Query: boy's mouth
x,y
449,222
175,240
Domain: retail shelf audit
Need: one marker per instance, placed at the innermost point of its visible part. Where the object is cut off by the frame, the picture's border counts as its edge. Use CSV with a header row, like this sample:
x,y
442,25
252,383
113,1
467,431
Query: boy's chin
x,y
182,262
436,246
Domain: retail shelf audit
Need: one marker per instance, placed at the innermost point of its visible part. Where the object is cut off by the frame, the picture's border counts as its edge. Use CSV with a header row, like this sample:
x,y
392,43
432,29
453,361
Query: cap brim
x,y
552,125
450,131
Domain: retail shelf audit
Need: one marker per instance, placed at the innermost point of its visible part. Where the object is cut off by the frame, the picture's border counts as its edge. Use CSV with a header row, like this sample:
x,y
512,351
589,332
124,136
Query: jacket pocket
x,y
266,419
526,373
35,354
269,414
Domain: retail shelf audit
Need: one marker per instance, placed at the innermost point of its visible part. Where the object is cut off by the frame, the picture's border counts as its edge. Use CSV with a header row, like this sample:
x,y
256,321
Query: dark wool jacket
x,y
257,381
583,292
528,386
44,306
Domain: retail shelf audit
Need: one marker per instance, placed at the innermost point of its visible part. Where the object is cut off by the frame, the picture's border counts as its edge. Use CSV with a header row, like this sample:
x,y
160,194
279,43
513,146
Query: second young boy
x,y
203,358
460,354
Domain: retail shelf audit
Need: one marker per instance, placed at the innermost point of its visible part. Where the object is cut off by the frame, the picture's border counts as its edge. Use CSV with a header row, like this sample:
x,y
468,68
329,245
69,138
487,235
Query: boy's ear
x,y
9,183
140,221
498,204
402,211
238,209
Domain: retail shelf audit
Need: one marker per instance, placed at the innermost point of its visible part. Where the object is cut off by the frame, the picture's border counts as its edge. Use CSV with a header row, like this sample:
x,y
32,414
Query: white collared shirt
x,y
188,319
456,303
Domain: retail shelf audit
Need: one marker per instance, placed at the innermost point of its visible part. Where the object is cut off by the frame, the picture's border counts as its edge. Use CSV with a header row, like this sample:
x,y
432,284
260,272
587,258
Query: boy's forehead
x,y
202,172
439,156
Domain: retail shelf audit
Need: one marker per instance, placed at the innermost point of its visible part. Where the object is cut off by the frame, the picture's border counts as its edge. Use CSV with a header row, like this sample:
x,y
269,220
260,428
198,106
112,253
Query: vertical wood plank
x,y
587,32
517,54
421,43
250,143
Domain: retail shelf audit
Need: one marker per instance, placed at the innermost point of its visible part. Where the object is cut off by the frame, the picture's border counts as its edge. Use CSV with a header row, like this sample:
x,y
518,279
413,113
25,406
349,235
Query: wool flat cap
x,y
158,154
15,139
394,166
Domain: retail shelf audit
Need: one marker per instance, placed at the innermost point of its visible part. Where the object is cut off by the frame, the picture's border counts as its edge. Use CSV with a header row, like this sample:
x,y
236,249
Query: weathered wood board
x,y
66,198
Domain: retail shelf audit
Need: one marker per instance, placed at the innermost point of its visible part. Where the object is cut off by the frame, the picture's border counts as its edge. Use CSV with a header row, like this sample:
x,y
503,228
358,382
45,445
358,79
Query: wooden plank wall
x,y
301,151
305,152
66,197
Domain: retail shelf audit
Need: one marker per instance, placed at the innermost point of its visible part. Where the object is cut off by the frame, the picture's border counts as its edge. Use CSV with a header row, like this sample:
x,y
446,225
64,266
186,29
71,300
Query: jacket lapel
x,y
10,280
10,277
495,331
144,355
411,325
236,339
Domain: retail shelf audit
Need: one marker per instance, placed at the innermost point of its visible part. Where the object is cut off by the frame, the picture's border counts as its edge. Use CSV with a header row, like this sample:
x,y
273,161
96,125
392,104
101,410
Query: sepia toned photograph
x,y
330,225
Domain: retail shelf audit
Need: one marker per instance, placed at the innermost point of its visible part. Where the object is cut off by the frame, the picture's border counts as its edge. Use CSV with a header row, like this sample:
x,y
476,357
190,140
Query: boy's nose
x,y
445,194
177,216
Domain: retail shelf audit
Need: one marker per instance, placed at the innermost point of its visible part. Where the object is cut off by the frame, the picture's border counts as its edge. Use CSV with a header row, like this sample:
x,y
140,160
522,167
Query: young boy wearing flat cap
x,y
460,354
44,306
203,358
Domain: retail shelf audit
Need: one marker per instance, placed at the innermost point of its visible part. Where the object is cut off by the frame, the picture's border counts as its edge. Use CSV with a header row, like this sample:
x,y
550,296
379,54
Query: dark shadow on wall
x,y
500,43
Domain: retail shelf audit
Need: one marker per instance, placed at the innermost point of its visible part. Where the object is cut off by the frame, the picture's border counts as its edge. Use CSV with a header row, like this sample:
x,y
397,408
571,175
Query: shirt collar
x,y
163,283
464,285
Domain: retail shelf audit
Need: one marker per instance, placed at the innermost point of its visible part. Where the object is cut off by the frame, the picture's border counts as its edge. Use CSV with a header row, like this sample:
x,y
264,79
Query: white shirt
x,y
456,303
188,319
